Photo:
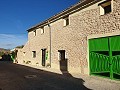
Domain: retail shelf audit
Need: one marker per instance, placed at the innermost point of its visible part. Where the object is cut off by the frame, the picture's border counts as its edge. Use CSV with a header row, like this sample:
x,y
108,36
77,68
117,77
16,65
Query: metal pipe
x,y
50,41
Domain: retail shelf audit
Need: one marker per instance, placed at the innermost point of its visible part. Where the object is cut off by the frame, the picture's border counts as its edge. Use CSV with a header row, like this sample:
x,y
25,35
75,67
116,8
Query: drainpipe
x,y
50,40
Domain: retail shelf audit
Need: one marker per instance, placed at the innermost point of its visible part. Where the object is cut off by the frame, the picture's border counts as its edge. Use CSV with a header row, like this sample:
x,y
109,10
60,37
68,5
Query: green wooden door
x,y
99,55
105,56
115,47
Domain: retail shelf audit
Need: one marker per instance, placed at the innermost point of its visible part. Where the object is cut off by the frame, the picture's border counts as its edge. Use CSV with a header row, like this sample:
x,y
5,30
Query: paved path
x,y
18,77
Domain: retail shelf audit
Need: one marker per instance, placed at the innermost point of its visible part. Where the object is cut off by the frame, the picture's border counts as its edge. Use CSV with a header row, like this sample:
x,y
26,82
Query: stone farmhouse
x,y
81,39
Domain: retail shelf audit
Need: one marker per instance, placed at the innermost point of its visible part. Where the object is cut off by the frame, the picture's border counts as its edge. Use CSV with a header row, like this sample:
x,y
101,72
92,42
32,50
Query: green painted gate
x,y
104,56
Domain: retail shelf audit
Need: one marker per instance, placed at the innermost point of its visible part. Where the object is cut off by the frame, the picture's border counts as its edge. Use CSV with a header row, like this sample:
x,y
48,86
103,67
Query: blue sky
x,y
16,16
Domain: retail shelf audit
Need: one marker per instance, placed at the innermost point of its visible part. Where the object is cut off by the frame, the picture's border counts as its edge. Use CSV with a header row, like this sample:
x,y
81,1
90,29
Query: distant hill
x,y
4,50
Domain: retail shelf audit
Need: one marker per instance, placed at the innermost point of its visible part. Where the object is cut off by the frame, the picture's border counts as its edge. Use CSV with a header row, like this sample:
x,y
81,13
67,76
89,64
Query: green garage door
x,y
105,56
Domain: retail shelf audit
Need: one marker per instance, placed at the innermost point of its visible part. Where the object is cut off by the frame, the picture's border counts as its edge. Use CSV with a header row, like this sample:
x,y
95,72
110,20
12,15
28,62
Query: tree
x,y
20,46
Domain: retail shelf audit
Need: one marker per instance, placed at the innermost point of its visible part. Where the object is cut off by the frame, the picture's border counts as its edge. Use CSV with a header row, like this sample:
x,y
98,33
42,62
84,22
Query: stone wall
x,y
35,43
73,38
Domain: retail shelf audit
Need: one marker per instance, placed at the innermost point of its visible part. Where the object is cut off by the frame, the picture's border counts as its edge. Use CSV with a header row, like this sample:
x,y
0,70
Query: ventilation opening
x,y
114,53
105,7
102,52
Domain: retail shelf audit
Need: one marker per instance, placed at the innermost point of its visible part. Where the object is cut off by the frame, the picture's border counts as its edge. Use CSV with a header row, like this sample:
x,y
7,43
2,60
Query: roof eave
x,y
70,10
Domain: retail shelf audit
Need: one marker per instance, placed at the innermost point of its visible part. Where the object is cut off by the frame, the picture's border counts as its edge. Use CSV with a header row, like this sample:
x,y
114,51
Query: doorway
x,y
63,60
43,56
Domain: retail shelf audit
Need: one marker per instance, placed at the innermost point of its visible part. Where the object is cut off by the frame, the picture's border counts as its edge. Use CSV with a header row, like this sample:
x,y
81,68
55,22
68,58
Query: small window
x,y
24,53
42,30
105,7
33,54
61,54
66,21
34,32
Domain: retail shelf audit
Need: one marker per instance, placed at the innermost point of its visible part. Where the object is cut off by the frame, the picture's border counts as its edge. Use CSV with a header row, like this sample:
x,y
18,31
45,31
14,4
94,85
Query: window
x,y
24,53
61,54
42,30
105,7
34,32
33,54
66,21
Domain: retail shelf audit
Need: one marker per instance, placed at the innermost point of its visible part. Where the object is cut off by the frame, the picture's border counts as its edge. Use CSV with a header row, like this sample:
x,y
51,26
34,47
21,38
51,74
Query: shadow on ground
x,y
6,57
73,83
45,80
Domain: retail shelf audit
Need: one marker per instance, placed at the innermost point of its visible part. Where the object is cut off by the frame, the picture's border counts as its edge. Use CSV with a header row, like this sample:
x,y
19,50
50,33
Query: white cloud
x,y
7,36
10,41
